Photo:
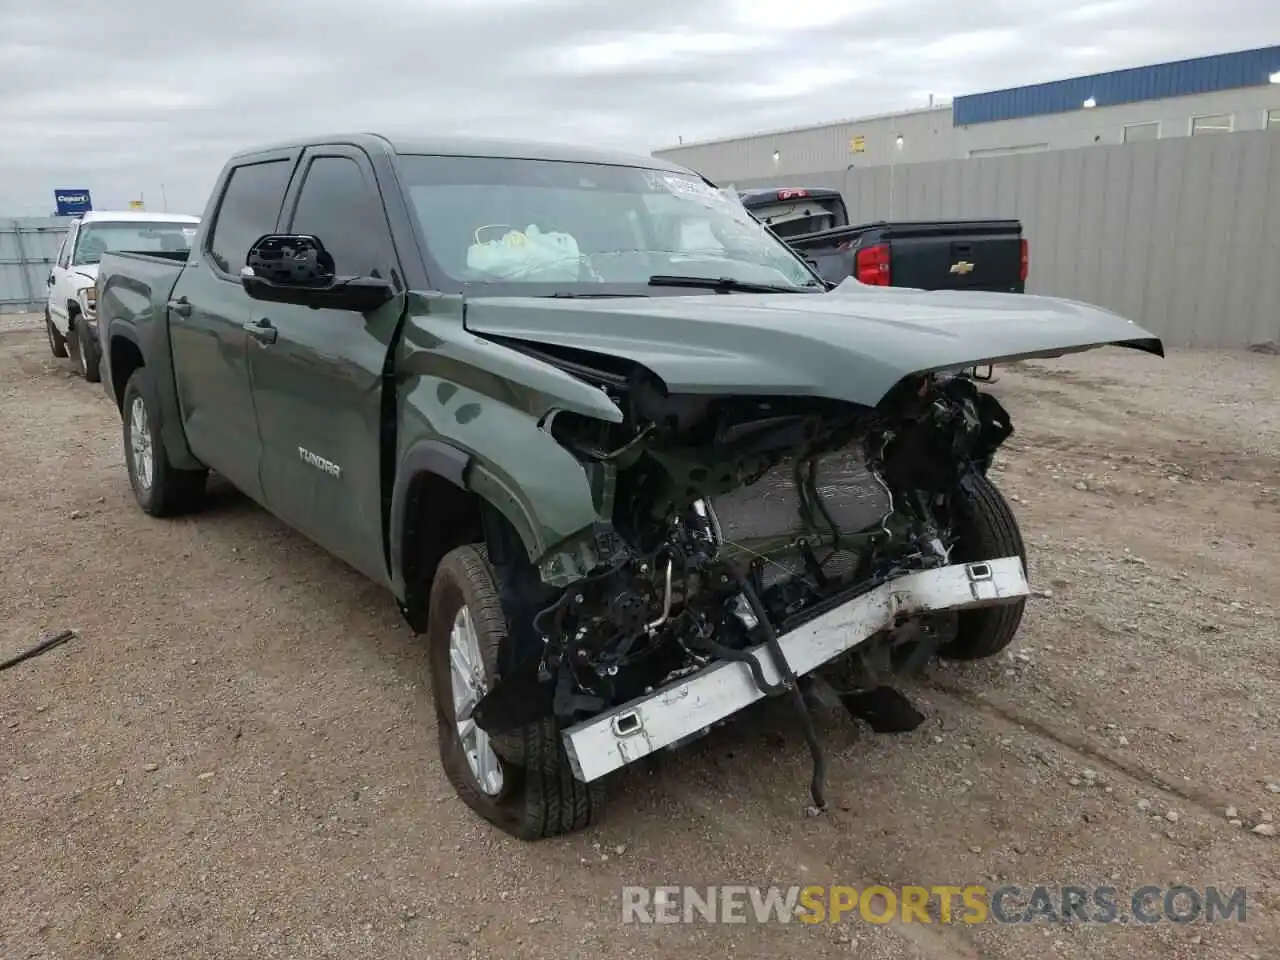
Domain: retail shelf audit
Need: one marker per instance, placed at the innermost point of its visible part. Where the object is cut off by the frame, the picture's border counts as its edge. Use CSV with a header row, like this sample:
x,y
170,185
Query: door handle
x,y
181,306
262,330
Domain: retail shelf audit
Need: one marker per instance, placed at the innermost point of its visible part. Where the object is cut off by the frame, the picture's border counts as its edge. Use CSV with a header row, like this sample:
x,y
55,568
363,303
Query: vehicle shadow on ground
x,y
222,499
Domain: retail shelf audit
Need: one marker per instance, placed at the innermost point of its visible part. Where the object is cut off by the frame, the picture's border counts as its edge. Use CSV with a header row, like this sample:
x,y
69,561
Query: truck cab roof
x,y
464,146
125,216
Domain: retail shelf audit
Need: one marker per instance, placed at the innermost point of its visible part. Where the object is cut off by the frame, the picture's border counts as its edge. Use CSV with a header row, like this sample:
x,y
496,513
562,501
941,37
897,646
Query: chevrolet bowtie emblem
x,y
962,266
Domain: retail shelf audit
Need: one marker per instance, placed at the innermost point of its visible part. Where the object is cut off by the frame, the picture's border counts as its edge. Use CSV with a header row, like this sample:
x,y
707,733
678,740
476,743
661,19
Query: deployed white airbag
x,y
532,253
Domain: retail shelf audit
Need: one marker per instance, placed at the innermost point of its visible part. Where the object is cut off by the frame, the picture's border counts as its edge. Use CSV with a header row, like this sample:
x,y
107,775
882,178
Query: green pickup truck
x,y
617,452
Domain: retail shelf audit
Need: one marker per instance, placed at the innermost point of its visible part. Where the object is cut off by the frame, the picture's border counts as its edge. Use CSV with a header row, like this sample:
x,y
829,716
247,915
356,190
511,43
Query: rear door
x,y
208,314
317,374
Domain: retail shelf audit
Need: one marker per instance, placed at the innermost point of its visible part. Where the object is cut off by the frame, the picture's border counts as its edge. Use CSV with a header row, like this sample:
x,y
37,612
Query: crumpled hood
x,y
853,343
85,275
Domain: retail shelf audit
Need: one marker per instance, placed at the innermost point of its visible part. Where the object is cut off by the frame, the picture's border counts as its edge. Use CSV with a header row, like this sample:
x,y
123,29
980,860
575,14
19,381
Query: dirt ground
x,y
236,756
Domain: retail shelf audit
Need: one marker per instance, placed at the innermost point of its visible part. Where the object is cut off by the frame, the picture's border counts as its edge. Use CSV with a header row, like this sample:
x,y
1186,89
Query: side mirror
x,y
296,269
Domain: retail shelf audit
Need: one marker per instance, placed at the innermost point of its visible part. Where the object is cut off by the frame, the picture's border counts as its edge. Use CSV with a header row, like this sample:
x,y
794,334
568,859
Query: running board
x,y
690,706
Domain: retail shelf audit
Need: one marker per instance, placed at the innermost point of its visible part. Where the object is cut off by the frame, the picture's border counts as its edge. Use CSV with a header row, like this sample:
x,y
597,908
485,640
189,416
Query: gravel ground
x,y
236,756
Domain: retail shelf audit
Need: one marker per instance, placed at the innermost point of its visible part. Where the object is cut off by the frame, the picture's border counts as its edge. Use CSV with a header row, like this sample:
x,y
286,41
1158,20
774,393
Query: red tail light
x,y
871,265
1026,261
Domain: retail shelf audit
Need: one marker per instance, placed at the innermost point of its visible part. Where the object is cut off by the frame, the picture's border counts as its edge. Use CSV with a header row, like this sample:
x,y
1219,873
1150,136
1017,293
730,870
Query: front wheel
x,y
57,343
84,351
523,785
160,489
987,530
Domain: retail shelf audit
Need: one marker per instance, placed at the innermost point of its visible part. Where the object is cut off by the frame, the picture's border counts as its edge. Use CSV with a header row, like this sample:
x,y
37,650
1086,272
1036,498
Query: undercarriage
x,y
730,524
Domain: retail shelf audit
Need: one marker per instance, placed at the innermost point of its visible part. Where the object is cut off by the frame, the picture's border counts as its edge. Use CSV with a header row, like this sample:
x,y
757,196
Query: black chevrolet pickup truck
x,y
987,255
593,427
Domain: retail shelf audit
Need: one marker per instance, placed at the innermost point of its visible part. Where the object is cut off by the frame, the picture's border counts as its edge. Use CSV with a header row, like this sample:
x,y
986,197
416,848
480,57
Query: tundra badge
x,y
320,463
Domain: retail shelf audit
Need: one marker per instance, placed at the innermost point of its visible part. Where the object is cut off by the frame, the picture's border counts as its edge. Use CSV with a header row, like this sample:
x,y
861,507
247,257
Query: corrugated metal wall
x,y
1182,236
1183,78
28,246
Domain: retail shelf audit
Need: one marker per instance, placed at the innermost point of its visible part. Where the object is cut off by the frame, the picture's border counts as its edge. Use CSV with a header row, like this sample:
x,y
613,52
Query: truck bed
x,y
925,254
928,255
134,289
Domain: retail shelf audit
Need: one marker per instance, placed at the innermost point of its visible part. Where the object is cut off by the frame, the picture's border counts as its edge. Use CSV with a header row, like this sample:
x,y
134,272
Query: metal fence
x,y
1181,236
28,246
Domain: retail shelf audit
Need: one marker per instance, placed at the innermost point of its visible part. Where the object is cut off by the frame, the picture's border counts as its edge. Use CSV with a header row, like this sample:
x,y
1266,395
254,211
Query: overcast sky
x,y
121,96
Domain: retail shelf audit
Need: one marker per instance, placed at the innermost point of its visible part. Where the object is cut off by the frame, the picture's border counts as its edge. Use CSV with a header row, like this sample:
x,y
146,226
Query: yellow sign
x,y
962,267
858,145
135,204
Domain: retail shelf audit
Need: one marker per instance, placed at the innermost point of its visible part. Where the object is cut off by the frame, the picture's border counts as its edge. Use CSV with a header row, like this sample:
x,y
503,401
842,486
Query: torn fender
x,y
459,392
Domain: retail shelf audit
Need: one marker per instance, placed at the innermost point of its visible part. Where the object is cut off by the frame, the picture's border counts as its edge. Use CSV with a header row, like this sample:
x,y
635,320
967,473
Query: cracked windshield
x,y
559,225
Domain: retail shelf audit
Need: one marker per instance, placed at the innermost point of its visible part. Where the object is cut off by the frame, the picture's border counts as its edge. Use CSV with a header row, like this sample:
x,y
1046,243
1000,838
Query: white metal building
x,y
1205,96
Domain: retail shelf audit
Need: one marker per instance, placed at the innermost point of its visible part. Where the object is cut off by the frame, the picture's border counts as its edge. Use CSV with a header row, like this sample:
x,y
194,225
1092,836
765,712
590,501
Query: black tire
x,y
57,345
84,351
987,530
539,796
93,362
170,492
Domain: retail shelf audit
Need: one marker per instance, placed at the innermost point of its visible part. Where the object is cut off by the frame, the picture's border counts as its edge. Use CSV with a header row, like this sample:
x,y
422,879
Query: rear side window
x,y
794,218
249,208
338,205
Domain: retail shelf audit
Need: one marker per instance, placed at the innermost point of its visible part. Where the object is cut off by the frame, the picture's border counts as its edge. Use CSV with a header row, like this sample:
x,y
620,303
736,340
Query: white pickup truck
x,y
70,313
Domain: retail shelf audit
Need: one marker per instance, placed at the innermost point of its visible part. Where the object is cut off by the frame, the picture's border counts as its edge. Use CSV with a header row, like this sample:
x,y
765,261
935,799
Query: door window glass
x,y
249,208
337,205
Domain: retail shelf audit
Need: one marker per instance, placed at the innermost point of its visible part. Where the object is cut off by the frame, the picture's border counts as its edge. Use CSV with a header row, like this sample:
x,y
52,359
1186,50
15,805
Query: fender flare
x,y
118,331
441,459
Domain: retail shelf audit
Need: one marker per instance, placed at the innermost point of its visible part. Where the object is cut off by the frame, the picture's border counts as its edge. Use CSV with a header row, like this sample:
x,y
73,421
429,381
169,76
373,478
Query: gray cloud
x,y
121,96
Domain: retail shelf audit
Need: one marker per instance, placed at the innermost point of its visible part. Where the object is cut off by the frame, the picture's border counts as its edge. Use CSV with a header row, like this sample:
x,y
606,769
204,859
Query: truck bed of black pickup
x,y
989,255
928,254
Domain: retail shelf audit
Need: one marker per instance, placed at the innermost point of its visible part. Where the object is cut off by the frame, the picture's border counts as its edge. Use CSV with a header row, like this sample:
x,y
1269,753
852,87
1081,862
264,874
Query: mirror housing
x,y
296,269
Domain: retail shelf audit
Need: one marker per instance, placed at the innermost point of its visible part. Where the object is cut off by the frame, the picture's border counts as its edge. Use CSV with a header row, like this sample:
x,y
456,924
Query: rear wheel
x,y
57,344
521,782
987,530
160,489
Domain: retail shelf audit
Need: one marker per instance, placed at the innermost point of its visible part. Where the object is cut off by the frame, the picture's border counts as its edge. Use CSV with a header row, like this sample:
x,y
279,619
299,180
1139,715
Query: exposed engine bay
x,y
726,522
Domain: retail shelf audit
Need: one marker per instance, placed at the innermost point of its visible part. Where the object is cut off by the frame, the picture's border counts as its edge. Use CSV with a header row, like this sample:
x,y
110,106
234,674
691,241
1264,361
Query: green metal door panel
x,y
210,365
318,393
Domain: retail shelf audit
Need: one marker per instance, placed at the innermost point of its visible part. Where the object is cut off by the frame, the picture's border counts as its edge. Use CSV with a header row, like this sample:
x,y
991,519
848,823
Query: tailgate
x,y
959,255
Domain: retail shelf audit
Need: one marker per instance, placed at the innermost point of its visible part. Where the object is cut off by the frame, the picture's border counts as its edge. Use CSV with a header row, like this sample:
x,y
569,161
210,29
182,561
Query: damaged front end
x,y
728,524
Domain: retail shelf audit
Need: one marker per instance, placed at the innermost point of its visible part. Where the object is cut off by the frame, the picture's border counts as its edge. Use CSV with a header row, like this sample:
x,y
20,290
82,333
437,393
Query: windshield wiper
x,y
722,284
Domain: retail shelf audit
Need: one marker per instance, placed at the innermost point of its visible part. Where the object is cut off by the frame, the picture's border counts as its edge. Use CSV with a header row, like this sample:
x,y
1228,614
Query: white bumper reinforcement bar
x,y
691,705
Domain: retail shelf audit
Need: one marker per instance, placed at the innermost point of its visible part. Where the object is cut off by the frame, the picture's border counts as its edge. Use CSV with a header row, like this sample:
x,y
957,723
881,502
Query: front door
x,y
317,374
61,285
210,311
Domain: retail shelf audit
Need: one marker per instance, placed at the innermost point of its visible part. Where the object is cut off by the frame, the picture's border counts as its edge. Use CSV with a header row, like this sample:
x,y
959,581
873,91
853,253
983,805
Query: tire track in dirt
x,y
1210,802
815,865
